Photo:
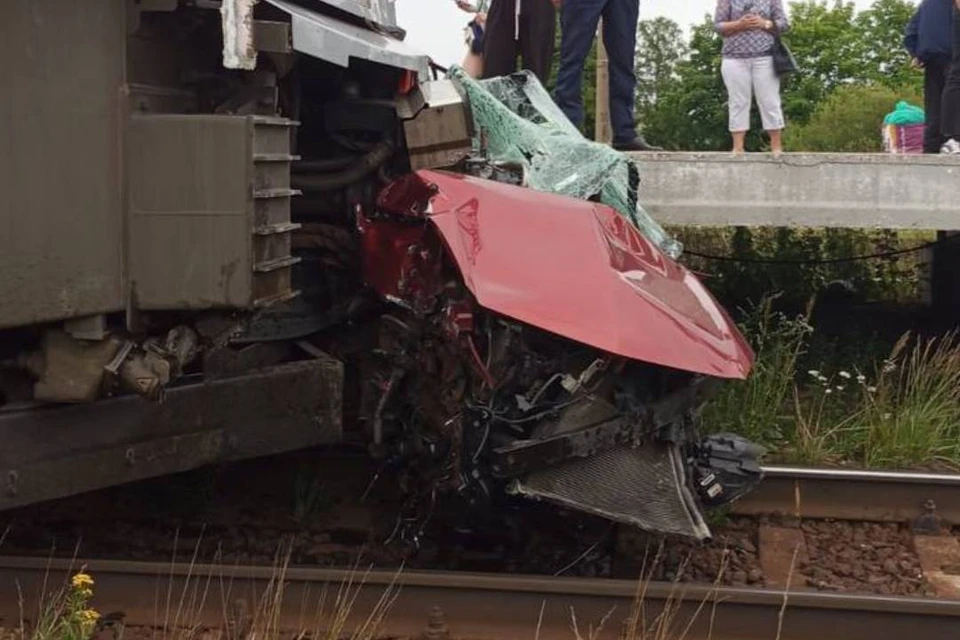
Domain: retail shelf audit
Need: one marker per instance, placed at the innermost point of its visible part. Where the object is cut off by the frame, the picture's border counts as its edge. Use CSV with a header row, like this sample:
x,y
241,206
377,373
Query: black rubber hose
x,y
323,165
354,173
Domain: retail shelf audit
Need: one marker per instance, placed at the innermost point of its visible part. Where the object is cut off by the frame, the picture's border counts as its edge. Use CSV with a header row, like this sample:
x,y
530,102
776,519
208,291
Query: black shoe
x,y
637,144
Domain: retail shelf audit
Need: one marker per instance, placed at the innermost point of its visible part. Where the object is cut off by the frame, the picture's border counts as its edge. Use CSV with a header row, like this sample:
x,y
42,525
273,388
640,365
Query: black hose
x,y
322,165
355,172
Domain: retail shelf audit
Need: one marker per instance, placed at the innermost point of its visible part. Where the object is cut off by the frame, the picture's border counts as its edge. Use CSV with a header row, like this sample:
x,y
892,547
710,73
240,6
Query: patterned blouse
x,y
754,43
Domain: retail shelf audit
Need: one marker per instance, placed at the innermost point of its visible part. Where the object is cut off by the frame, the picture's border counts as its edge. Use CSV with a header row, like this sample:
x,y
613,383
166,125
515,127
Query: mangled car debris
x,y
278,227
549,344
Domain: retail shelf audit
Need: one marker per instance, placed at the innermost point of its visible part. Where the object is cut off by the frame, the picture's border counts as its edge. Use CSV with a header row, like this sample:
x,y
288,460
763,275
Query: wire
x,y
587,552
869,256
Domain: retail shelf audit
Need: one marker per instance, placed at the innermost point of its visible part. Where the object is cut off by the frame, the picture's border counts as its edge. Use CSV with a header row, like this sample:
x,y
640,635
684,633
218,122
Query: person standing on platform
x,y
950,108
750,29
929,40
578,26
524,28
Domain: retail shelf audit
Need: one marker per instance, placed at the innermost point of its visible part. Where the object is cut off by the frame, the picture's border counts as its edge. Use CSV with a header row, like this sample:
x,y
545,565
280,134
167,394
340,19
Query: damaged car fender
x,y
575,268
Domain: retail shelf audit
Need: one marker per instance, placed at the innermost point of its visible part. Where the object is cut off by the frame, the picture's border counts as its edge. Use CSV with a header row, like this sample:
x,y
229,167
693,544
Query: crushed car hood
x,y
575,268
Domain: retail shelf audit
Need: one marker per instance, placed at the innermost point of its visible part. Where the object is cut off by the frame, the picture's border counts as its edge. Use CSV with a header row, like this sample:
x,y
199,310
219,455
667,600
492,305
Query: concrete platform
x,y
799,189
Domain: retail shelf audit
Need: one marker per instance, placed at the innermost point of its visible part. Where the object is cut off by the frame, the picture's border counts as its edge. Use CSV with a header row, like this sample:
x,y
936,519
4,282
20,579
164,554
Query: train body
x,y
234,229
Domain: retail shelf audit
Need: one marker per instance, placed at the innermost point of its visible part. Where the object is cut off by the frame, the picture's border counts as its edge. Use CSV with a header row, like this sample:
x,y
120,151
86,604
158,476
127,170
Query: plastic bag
x,y
905,114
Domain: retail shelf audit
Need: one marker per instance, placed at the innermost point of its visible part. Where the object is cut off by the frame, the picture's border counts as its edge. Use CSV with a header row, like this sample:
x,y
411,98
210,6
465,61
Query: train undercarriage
x,y
308,237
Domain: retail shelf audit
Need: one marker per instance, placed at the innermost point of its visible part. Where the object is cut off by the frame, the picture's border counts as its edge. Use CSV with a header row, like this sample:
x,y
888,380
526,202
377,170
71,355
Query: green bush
x,y
848,121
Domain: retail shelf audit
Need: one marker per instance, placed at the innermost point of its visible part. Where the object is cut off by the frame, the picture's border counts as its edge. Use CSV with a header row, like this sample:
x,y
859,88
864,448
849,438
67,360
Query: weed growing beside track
x,y
185,598
901,412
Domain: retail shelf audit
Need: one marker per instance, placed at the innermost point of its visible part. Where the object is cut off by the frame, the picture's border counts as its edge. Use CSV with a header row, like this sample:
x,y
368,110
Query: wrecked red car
x,y
544,345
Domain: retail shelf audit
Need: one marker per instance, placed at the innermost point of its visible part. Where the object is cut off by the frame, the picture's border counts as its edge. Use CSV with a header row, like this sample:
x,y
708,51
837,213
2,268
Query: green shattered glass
x,y
516,121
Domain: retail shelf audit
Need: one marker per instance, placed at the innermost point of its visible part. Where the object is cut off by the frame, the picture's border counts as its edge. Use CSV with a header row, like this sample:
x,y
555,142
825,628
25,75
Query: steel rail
x,y
846,494
474,605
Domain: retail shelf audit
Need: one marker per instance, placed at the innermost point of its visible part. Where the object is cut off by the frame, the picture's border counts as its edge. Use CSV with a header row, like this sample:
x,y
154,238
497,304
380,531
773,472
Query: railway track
x,y
500,606
876,496
477,606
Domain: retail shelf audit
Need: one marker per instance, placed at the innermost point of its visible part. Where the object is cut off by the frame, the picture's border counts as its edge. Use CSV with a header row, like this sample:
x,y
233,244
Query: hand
x,y
481,19
916,63
751,21
466,6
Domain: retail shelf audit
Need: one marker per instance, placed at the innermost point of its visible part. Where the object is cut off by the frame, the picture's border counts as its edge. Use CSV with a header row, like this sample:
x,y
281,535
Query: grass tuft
x,y
911,415
904,414
757,407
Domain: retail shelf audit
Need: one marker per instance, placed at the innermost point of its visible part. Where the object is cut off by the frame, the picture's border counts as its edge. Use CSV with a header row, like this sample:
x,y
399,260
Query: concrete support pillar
x,y
945,280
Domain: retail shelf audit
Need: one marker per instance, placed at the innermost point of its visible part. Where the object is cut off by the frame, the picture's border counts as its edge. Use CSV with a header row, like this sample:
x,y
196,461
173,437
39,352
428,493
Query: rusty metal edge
x,y
848,494
491,582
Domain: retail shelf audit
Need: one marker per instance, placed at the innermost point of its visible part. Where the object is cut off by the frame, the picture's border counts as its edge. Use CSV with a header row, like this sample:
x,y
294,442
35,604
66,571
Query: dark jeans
x,y
934,80
578,25
538,26
950,107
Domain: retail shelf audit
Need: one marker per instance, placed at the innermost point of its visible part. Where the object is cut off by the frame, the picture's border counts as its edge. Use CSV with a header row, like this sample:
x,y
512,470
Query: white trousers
x,y
744,77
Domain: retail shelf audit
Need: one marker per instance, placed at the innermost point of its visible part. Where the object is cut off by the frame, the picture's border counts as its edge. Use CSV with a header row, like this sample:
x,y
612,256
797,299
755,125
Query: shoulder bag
x,y
783,61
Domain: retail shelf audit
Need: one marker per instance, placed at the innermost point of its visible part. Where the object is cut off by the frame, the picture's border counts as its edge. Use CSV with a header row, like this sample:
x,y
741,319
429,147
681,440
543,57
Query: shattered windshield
x,y
517,122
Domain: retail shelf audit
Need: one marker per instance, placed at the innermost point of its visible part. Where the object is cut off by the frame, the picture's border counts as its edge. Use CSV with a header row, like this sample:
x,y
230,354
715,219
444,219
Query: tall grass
x,y
912,414
67,612
757,407
666,619
904,413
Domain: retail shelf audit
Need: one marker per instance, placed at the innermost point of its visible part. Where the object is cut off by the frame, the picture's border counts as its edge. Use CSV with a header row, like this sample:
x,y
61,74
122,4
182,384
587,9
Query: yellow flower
x,y
89,616
82,581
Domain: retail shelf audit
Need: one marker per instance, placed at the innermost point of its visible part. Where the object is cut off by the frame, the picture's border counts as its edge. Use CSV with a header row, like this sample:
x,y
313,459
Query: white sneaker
x,y
951,146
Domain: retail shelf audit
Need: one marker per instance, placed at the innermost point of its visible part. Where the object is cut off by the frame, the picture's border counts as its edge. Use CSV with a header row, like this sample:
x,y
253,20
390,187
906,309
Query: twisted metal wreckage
x,y
589,351
314,242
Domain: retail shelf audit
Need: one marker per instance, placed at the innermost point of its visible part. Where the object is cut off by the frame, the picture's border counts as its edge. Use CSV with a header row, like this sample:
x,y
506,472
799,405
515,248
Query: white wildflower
x,y
828,391
840,387
814,373
861,378
872,390
845,375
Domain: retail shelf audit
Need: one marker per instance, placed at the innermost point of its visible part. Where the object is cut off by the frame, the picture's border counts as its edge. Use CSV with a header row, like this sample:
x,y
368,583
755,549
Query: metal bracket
x,y
929,523
525,456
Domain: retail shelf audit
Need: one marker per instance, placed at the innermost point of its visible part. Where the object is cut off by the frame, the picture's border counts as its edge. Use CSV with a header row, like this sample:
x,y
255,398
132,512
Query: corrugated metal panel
x,y
194,183
60,200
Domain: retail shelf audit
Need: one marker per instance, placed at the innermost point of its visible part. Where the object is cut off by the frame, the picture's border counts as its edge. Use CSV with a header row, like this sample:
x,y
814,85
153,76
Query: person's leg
x,y
737,78
620,39
934,79
538,28
578,25
950,107
766,85
500,47
473,65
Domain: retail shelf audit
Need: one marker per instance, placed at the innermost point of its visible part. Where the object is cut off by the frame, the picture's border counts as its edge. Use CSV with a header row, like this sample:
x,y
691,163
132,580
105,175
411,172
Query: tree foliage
x,y
848,121
835,47
660,48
